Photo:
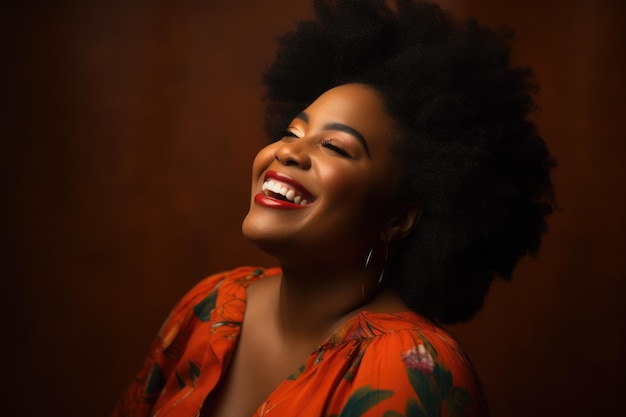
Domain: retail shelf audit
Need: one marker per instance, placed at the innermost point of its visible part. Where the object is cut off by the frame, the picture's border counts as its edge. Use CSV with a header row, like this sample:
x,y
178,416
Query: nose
x,y
293,153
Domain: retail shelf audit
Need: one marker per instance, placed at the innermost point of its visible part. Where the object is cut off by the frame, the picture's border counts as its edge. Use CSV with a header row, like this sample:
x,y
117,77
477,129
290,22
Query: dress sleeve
x,y
167,348
415,374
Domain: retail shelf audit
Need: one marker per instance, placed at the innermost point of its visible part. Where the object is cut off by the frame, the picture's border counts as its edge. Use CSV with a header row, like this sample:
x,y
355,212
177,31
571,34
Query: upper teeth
x,y
282,189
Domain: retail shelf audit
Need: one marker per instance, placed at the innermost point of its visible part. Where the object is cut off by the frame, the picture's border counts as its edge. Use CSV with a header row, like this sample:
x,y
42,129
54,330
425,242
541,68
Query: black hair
x,y
469,154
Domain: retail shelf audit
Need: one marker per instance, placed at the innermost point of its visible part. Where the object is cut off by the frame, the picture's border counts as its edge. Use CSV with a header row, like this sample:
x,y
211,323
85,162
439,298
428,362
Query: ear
x,y
402,222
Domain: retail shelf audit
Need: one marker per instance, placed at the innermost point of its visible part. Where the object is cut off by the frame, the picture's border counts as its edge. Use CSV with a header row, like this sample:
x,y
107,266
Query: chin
x,y
262,235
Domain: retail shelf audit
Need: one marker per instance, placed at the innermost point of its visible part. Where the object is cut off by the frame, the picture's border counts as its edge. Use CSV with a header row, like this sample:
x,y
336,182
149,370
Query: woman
x,y
405,178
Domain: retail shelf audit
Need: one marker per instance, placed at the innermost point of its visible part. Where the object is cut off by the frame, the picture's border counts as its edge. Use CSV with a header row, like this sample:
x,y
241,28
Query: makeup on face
x,y
280,191
325,184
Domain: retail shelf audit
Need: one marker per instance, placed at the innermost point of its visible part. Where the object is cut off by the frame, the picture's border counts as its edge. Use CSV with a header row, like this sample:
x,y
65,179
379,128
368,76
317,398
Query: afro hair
x,y
468,153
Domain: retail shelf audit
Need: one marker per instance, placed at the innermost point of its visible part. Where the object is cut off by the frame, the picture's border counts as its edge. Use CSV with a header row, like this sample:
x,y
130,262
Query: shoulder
x,y
191,313
242,276
413,342
421,366
199,302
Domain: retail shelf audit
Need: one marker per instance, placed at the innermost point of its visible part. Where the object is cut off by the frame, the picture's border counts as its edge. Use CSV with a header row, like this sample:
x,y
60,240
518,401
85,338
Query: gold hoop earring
x,y
367,264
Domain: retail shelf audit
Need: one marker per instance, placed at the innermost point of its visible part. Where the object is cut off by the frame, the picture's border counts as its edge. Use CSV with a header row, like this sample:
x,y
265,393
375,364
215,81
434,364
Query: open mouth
x,y
282,191
285,192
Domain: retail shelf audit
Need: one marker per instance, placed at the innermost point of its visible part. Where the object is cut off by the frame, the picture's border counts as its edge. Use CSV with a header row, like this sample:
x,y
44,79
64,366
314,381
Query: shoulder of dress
x,y
242,274
250,273
205,291
196,306
407,331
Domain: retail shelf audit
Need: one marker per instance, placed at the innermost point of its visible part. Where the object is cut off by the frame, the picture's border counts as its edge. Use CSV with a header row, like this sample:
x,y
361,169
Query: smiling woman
x,y
404,178
336,154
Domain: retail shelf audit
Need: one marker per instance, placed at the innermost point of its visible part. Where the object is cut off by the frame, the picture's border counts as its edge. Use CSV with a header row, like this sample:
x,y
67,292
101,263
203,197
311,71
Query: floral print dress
x,y
376,365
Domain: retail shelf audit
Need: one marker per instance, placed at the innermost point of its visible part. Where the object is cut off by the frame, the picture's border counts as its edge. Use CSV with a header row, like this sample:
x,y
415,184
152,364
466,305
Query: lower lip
x,y
265,201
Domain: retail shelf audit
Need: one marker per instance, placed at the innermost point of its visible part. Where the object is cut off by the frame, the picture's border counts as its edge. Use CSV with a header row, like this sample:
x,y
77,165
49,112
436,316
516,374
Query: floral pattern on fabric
x,y
375,365
363,400
432,383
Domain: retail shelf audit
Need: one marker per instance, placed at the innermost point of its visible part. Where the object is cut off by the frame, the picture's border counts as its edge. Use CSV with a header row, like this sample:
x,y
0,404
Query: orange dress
x,y
376,365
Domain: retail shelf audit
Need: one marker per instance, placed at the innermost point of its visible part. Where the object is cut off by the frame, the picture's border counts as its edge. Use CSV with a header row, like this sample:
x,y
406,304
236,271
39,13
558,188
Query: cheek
x,y
357,196
345,178
349,187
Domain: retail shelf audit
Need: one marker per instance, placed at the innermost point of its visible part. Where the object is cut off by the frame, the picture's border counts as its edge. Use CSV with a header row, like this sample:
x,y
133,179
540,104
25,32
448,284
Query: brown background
x,y
128,128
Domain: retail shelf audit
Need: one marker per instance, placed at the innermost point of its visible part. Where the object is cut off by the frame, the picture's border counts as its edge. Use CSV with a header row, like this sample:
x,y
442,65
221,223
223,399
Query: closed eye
x,y
335,148
289,134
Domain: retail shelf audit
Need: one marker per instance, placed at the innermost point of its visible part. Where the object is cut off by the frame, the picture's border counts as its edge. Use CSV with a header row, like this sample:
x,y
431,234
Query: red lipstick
x,y
287,180
270,198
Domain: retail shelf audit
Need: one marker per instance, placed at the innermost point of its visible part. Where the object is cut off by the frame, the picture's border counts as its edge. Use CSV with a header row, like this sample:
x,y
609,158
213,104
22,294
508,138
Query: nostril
x,y
286,158
292,154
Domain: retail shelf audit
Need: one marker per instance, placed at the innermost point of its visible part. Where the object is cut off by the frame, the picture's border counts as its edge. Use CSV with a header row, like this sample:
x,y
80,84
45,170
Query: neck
x,y
313,303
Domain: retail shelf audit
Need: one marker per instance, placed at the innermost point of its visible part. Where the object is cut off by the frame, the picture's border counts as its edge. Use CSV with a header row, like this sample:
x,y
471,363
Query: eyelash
x,y
325,143
330,145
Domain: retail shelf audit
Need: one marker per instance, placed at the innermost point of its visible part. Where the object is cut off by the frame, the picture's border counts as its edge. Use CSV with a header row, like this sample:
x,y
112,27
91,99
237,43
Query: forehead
x,y
356,105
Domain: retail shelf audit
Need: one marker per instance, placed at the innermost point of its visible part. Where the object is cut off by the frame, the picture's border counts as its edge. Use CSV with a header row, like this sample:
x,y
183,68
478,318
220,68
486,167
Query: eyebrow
x,y
302,116
340,127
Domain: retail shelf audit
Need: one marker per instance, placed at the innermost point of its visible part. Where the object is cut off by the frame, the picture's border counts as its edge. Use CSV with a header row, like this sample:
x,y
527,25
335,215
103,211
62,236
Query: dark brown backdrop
x,y
128,128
